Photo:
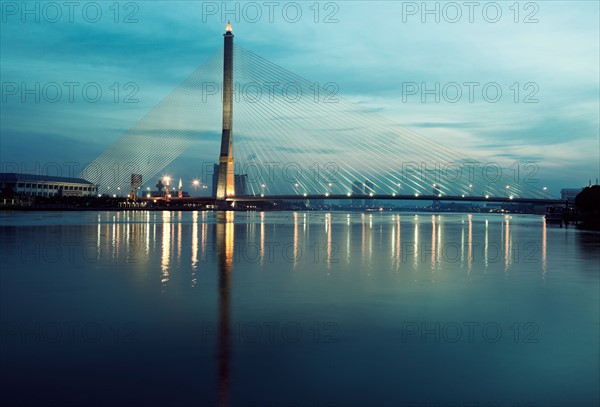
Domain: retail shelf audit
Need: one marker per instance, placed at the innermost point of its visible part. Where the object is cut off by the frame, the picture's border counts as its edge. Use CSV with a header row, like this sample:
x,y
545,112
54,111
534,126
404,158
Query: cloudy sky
x,y
542,56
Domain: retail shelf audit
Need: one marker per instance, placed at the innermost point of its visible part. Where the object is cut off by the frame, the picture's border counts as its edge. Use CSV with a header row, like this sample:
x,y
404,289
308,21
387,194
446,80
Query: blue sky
x,y
373,51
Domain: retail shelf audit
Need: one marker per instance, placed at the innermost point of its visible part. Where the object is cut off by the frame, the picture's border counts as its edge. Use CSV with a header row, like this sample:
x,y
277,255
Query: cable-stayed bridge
x,y
292,138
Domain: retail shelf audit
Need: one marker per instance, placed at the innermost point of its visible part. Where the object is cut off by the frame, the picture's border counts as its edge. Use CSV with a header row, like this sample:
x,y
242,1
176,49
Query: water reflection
x,y
199,254
437,243
166,247
225,254
544,258
507,243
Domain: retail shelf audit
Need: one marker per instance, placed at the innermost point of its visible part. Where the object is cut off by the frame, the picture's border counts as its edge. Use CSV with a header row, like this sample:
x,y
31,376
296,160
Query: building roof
x,y
20,177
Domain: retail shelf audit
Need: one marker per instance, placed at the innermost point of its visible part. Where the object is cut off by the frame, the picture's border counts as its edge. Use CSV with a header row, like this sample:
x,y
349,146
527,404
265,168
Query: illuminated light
x,y
416,194
487,196
114,196
440,195
263,185
196,182
305,194
393,194
510,197
228,27
262,195
545,188
470,185
463,195
507,187
296,184
147,195
148,188
348,194
326,193
330,184
398,184
370,193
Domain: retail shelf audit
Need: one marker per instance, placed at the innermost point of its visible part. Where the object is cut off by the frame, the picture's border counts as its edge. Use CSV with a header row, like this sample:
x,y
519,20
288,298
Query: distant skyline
x,y
378,53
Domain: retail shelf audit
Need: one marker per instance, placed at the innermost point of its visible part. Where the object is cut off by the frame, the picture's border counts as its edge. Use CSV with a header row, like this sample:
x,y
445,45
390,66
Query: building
x,y
357,190
45,185
369,187
241,184
569,194
369,190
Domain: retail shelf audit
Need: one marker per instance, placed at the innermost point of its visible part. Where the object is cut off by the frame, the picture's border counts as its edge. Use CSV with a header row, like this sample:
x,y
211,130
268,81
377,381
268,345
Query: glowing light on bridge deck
x,y
416,195
393,194
463,195
305,194
370,193
348,194
326,193
487,196
510,197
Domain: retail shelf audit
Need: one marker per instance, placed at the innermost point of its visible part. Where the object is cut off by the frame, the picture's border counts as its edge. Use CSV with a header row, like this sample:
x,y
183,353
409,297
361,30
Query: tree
x,y
588,200
588,203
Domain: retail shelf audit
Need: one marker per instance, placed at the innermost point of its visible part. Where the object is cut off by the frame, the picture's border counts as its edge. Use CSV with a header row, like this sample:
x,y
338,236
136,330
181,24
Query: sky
x,y
423,65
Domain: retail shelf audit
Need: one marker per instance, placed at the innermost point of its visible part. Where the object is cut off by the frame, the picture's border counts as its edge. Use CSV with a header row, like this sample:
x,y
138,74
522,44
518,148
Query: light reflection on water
x,y
425,242
369,273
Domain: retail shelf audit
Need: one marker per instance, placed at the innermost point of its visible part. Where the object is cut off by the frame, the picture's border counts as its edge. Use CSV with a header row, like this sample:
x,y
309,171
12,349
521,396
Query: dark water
x,y
297,309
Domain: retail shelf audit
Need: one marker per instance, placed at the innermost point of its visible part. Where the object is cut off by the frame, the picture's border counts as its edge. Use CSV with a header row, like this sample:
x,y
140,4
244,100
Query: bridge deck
x,y
459,198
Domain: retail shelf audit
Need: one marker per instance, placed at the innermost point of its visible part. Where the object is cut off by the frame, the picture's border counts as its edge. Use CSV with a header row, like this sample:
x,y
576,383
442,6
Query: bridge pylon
x,y
226,179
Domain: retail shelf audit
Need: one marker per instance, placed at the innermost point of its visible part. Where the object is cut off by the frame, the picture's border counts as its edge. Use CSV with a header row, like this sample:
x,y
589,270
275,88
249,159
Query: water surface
x,y
295,308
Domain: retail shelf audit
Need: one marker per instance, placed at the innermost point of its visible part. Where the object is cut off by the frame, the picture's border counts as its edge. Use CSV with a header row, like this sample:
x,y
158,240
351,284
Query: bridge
x,y
297,139
378,197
